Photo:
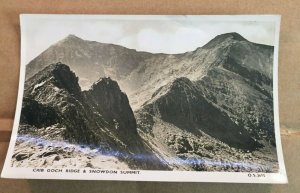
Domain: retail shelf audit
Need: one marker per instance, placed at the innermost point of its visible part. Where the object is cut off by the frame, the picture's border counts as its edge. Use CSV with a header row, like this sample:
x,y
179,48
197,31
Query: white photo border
x,y
149,175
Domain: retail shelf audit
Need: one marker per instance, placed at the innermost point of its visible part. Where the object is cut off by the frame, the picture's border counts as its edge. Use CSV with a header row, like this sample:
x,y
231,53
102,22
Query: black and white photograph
x,y
150,98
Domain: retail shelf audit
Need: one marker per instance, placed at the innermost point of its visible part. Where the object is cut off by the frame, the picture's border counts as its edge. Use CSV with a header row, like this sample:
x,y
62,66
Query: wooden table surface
x,y
291,146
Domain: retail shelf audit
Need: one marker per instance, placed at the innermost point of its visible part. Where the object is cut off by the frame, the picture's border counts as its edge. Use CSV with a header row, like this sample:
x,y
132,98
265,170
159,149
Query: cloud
x,y
157,36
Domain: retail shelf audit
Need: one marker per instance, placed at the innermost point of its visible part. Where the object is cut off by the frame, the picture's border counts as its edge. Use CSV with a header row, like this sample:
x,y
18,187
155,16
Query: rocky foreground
x,y
37,152
212,156
201,152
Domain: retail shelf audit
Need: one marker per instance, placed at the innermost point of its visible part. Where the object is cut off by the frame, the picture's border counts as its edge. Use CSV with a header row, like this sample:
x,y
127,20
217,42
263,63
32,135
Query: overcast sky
x,y
157,35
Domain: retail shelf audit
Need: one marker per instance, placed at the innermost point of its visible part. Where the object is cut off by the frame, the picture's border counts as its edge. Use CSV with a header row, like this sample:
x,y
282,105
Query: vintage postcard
x,y
148,98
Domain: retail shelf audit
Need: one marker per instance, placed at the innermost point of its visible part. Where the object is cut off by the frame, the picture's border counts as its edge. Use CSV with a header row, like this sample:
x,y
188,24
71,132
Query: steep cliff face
x,y
248,106
182,105
242,85
54,108
106,97
180,121
37,114
56,87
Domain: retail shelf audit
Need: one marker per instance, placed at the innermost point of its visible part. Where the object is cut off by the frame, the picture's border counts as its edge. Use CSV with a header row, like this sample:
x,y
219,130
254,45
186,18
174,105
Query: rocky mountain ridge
x,y
214,103
184,106
139,74
55,108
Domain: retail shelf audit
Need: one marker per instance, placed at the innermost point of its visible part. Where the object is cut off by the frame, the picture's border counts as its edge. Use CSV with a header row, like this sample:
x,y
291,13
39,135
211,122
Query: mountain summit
x,y
232,35
224,38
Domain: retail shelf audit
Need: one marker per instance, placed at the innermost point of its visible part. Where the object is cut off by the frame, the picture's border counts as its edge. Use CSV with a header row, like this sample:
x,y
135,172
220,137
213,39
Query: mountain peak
x,y
113,105
58,67
181,80
60,74
232,36
105,82
72,36
180,83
